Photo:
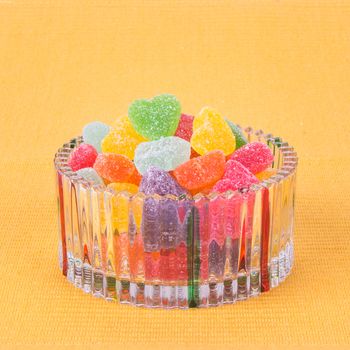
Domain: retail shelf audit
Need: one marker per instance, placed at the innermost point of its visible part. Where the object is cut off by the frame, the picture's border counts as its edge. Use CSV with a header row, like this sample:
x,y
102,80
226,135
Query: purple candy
x,y
160,222
157,181
150,225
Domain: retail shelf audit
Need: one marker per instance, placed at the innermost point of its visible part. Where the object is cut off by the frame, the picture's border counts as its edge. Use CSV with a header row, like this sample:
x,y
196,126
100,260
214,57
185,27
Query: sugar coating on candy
x,y
124,186
114,167
201,172
185,127
158,181
266,174
122,138
255,156
157,117
185,130
135,177
241,140
90,174
83,156
166,153
211,132
236,177
93,134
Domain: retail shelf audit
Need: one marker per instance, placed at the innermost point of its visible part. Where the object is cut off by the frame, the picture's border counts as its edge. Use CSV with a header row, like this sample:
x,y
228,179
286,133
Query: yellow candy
x,y
137,209
122,138
123,186
266,174
211,132
120,204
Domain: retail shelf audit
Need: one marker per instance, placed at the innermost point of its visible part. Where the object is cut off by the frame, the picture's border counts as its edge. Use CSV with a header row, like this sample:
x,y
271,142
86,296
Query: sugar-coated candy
x,y
185,127
211,132
185,130
201,172
115,168
278,141
83,156
122,138
158,181
241,140
236,176
166,153
224,185
255,156
266,174
157,117
93,134
135,177
124,186
90,174
119,207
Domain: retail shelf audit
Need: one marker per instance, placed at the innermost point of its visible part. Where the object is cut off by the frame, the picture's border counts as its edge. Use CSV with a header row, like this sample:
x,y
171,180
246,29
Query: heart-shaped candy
x,y
211,132
166,153
157,117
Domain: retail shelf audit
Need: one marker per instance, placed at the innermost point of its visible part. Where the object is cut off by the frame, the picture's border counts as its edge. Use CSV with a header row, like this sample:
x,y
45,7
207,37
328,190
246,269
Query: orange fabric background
x,y
282,66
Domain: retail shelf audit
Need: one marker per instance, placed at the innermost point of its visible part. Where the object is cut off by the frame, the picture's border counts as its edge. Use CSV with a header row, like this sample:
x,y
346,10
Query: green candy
x,y
157,117
241,140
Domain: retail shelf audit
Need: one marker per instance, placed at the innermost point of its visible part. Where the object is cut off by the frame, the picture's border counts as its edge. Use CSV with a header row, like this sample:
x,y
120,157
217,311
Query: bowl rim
x,y
287,169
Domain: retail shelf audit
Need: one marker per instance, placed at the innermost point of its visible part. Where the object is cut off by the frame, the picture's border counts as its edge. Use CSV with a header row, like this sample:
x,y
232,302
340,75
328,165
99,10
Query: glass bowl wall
x,y
164,251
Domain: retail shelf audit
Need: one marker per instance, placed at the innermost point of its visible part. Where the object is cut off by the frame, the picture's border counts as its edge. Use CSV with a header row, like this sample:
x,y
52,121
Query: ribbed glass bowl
x,y
169,252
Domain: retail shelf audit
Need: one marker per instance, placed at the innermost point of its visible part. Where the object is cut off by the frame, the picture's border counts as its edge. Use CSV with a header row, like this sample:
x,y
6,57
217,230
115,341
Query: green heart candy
x,y
157,117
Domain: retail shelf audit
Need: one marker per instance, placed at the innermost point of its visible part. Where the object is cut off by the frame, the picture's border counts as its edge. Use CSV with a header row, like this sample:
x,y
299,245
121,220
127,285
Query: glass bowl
x,y
177,252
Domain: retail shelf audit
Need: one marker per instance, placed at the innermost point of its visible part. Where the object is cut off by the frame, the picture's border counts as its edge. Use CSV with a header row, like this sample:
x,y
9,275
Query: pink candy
x,y
236,177
255,156
83,156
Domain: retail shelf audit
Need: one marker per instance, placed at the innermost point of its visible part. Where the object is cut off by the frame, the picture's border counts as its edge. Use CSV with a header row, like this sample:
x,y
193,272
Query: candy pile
x,y
158,150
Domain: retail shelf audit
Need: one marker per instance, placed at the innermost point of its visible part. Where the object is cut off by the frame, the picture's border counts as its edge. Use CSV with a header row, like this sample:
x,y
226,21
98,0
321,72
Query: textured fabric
x,y
282,66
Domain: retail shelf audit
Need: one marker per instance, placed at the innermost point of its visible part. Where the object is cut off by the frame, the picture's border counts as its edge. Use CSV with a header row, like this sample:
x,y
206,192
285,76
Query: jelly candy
x,y
236,177
185,130
83,156
115,168
201,172
255,156
90,174
211,132
156,117
119,218
185,127
241,140
160,182
122,138
123,186
277,141
224,185
94,132
266,174
166,153
151,227
135,177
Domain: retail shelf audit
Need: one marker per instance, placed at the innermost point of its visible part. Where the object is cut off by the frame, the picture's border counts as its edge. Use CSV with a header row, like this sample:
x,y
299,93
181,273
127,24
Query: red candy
x,y
236,177
83,156
255,156
185,130
116,168
185,127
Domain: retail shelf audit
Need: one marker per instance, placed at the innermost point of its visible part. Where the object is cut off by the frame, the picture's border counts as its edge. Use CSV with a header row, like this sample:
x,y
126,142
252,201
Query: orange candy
x,y
266,174
116,168
201,172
